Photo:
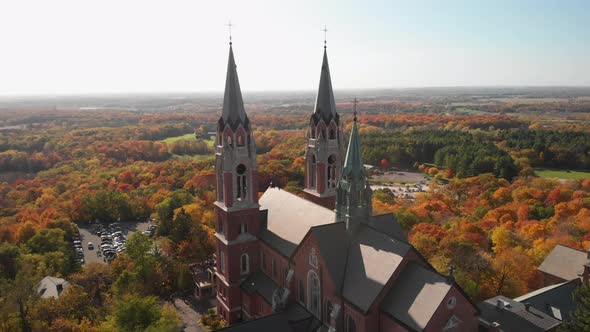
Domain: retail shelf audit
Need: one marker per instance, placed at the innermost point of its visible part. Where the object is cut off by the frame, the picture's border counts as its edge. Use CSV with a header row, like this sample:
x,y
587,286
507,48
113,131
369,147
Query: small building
x,y
503,314
204,279
52,287
563,264
556,301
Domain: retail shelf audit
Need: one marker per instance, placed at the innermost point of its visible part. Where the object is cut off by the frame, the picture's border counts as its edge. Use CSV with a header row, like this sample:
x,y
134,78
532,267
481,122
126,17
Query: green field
x,y
570,175
187,137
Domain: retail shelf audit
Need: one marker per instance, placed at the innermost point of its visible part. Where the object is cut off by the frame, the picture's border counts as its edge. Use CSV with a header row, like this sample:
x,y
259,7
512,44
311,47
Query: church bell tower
x,y
236,205
324,148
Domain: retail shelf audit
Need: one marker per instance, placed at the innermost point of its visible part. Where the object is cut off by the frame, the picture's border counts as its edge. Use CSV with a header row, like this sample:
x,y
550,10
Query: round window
x,y
241,169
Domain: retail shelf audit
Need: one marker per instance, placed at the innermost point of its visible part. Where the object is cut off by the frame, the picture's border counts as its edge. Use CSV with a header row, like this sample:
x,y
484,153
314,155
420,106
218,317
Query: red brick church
x,y
323,262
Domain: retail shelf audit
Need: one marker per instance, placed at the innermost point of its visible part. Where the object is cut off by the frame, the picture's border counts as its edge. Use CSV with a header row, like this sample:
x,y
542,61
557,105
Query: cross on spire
x,y
325,30
354,103
229,25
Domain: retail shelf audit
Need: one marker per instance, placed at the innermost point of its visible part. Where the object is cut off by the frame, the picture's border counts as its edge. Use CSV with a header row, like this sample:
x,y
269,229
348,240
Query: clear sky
x,y
98,46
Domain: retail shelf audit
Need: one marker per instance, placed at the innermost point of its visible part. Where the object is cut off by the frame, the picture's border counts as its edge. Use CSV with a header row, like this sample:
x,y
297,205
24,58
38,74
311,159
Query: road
x,y
190,317
90,255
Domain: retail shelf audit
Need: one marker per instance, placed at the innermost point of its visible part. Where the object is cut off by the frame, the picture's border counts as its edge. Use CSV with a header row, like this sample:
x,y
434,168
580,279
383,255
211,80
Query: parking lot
x,y
86,235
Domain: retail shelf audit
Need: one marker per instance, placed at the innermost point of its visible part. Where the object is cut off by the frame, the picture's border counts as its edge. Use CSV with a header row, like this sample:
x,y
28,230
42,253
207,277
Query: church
x,y
321,262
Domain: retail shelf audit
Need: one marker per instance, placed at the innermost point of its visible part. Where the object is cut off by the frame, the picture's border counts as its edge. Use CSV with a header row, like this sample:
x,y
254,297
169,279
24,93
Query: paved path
x,y
189,316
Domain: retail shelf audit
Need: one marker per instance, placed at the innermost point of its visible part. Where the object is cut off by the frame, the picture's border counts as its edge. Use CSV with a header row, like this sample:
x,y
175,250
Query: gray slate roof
x,y
258,282
289,218
325,106
52,287
387,223
372,259
233,106
564,262
555,300
416,295
515,317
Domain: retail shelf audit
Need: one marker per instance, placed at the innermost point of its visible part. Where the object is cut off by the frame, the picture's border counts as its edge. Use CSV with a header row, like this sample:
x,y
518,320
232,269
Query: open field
x,y
562,174
187,137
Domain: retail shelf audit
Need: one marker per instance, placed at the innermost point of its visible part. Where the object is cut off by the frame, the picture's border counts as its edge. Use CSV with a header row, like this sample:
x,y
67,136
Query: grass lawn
x,y
188,137
562,174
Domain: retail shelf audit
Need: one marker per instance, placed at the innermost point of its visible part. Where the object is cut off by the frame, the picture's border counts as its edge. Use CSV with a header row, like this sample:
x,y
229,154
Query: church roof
x,y
325,106
372,259
565,262
294,319
258,282
387,224
233,106
288,218
416,295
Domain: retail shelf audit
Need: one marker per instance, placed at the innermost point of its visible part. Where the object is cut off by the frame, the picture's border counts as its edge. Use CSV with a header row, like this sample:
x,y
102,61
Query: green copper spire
x,y
353,164
354,194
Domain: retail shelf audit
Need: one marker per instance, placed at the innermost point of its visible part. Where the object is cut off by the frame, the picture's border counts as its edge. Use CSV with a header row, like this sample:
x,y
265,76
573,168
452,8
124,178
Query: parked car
x,y
90,246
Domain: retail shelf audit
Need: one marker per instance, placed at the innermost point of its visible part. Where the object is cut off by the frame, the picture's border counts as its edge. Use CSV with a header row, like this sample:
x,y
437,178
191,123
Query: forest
x,y
488,214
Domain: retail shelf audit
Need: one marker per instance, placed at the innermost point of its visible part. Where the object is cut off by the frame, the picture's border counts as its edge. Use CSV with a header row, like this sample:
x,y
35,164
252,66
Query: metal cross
x,y
229,25
325,30
355,102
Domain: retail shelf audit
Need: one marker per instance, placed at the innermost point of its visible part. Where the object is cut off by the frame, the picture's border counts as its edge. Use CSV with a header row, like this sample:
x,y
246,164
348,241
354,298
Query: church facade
x,y
322,262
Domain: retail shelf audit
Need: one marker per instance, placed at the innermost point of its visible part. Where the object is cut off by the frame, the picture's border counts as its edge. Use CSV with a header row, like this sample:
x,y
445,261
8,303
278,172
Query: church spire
x,y
325,106
354,194
353,164
233,106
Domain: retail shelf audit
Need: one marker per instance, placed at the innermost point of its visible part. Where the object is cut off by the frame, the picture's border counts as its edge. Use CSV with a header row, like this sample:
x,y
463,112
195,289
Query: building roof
x,y
258,282
288,218
233,112
556,300
514,316
295,319
564,262
387,223
325,106
52,287
416,295
372,259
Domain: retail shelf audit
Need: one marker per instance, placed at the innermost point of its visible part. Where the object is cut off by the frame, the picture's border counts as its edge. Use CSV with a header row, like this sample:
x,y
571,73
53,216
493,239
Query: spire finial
x,y
355,102
325,30
229,25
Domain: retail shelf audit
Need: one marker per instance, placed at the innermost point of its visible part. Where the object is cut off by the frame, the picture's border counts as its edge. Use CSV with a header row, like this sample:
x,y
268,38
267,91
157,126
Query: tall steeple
x,y
236,206
324,150
353,200
233,106
325,106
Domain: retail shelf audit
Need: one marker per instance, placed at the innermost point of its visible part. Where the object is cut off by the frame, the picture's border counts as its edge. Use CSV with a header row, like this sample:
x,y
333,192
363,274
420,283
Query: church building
x,y
321,262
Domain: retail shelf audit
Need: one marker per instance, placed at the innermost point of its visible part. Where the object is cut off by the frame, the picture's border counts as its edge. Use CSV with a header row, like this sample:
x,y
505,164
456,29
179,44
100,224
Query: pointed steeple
x,y
325,106
354,194
233,105
353,164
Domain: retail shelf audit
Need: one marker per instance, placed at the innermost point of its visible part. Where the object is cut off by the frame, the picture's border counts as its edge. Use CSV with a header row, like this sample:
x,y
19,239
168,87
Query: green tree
x,y
580,318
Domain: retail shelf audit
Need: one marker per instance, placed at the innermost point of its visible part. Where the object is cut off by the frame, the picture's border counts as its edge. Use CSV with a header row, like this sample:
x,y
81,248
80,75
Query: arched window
x,y
241,183
229,139
313,295
329,308
350,324
219,185
312,171
332,176
244,264
312,131
222,261
332,133
323,133
301,292
313,259
241,140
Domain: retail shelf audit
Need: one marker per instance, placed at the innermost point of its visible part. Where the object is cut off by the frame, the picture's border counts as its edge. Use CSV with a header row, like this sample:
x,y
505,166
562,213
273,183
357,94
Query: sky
x,y
128,46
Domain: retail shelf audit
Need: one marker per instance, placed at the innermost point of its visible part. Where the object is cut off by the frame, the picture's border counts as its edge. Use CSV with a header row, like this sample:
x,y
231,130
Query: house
x,y
563,264
52,287
321,262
